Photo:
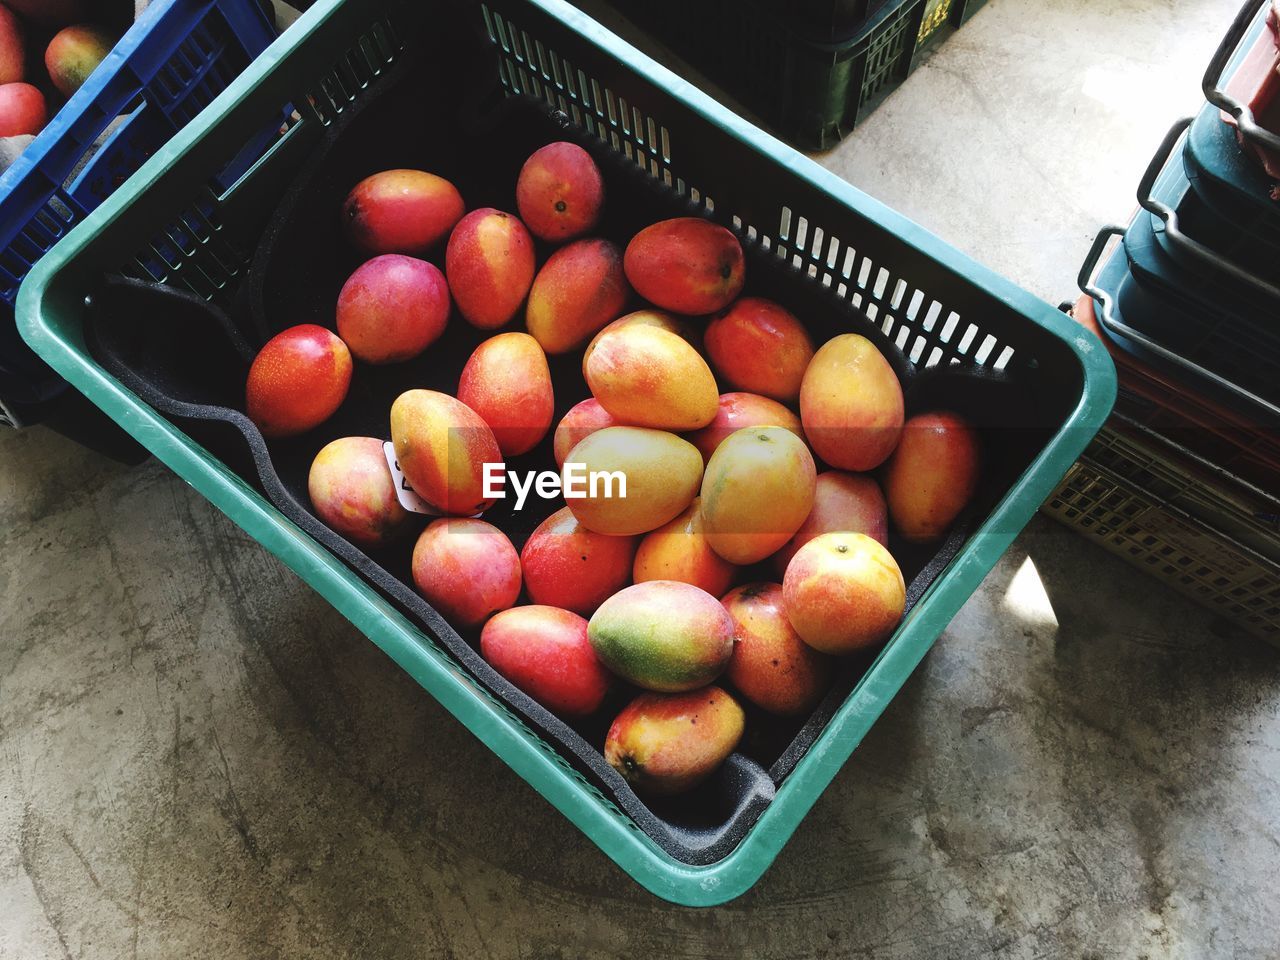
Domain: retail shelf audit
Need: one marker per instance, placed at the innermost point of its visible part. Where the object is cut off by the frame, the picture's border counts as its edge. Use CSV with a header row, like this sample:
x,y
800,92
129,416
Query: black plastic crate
x,y
836,20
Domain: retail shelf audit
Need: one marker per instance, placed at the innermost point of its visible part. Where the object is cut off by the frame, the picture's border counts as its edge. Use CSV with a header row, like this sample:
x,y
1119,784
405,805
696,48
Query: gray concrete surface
x,y
199,758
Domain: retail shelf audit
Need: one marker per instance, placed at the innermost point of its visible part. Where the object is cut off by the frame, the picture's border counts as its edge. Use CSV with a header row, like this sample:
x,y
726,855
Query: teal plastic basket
x,y
940,307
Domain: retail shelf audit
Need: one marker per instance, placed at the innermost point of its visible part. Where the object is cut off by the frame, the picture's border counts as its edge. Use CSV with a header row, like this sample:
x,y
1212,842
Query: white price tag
x,y
404,493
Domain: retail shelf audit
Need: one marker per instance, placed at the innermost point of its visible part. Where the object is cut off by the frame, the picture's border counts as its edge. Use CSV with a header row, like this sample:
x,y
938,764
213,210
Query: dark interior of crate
x,y
189,360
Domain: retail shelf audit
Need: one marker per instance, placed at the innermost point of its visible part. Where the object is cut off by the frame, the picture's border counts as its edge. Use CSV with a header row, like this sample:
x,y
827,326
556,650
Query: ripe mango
x,y
688,265
582,419
297,381
507,381
643,318
353,492
759,346
650,377
662,473
22,110
74,53
467,569
851,404
560,192
663,635
443,445
932,475
738,410
489,262
665,744
771,666
401,211
579,289
842,503
756,492
843,592
679,551
566,565
392,308
544,651
13,56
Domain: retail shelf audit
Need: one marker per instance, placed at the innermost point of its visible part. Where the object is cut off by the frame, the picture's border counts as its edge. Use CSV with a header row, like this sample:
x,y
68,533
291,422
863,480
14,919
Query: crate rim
x,y
634,853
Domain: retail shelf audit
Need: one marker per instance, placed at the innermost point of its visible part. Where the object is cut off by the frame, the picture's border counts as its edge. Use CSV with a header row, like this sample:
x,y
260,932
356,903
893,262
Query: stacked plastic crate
x,y
811,69
1185,479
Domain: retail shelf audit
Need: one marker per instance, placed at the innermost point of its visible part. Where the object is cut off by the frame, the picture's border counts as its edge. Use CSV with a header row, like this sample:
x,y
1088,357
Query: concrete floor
x,y
199,758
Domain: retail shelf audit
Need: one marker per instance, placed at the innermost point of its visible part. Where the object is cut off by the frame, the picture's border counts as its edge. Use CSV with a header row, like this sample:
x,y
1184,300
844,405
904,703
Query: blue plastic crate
x,y
169,66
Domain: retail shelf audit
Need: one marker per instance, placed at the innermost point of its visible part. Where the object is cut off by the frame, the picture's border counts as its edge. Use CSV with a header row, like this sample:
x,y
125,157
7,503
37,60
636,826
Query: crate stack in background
x,y
810,69
170,64
1184,481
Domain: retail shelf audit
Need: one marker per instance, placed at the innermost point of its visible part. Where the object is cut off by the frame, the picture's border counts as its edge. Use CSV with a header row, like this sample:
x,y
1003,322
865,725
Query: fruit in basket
x,y
738,410
663,635
467,569
851,404
842,503
13,55
392,308
579,289
759,346
932,475
665,744
74,53
643,318
688,265
771,666
353,492
507,381
650,377
582,419
489,261
442,446
679,551
560,192
843,592
661,473
544,651
50,13
566,565
298,380
401,211
22,110
756,492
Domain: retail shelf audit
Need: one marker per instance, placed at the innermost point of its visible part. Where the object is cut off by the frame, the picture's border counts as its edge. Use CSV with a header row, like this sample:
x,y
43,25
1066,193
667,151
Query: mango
x,y
442,446
843,592
566,565
851,404
507,381
401,211
663,635
579,289
842,503
662,472
759,346
650,377
688,265
560,192
665,744
74,53
932,475
679,551
297,381
392,308
544,651
353,492
582,419
22,110
467,569
489,262
771,666
13,55
756,492
738,410
643,318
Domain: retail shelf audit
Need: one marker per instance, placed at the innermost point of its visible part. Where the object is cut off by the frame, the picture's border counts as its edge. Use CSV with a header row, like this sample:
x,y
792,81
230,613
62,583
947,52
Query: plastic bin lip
x,y
52,282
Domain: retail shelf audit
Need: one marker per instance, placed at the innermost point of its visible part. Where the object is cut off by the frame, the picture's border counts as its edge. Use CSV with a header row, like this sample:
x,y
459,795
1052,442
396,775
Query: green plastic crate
x,y
940,306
